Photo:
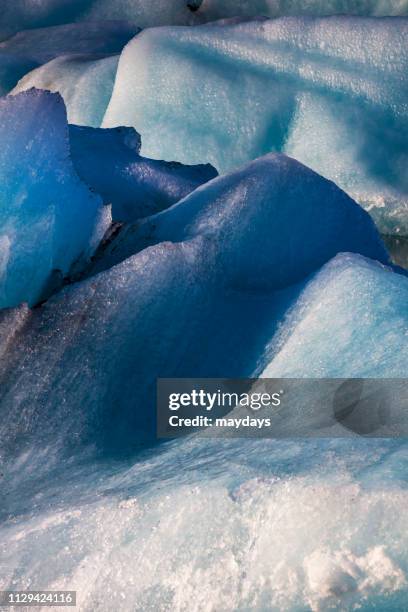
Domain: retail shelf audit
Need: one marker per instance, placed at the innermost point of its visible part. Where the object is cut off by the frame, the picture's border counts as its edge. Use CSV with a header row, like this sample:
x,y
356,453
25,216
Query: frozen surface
x,y
270,223
49,219
21,14
108,161
13,68
329,92
355,309
45,44
85,82
181,514
218,9
225,264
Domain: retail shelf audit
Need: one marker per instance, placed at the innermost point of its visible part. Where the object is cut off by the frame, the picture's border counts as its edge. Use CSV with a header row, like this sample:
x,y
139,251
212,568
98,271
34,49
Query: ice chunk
x,y
108,161
45,44
350,321
21,14
49,219
85,83
270,223
330,92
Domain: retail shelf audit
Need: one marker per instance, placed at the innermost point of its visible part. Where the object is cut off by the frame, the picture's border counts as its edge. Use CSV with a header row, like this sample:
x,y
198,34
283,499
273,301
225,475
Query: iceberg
x,y
50,222
269,225
330,92
85,83
108,161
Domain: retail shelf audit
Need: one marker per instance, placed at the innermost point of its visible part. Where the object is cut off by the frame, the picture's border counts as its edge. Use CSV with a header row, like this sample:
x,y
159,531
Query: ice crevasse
x,y
330,92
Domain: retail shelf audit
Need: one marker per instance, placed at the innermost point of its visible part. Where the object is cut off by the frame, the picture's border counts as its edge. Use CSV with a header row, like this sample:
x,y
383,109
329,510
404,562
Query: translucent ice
x,y
350,321
108,160
49,219
329,92
85,83
270,224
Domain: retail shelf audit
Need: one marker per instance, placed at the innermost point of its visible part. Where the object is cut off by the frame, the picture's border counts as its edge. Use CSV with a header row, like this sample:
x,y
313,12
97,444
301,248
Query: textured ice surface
x,y
108,161
353,309
49,219
84,81
329,92
218,9
270,223
45,44
21,14
286,525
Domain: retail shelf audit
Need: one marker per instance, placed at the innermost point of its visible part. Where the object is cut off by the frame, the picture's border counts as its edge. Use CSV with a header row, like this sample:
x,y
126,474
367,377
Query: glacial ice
x,y
219,9
108,161
269,224
50,221
13,68
85,83
45,44
350,321
182,514
21,14
239,246
329,92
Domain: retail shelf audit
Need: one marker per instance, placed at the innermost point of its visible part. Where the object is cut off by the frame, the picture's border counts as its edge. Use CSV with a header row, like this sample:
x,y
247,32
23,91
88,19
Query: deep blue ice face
x,y
50,221
109,161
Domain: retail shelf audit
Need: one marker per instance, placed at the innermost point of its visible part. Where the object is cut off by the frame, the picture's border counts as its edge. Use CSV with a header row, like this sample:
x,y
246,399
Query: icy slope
x,y
270,223
109,162
329,92
85,83
364,305
49,219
